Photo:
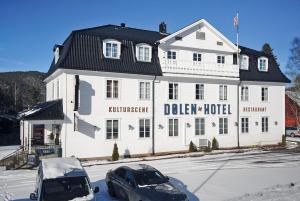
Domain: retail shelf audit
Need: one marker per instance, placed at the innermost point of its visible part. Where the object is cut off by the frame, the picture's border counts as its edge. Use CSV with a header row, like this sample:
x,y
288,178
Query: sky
x,y
29,29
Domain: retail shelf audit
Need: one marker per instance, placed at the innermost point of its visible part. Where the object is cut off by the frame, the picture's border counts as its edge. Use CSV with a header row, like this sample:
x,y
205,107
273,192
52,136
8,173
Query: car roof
x,y
61,167
139,167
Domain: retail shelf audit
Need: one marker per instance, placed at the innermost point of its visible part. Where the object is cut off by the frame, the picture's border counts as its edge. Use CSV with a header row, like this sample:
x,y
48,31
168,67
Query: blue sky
x,y
29,29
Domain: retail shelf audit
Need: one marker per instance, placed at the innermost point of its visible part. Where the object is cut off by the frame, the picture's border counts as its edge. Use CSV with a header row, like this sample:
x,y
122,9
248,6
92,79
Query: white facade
x,y
84,132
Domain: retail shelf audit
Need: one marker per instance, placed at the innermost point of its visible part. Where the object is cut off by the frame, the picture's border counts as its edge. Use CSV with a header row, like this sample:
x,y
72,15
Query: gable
x,y
186,37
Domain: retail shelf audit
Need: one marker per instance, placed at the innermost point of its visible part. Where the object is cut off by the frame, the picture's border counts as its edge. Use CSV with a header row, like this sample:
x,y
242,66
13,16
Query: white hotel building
x,y
153,92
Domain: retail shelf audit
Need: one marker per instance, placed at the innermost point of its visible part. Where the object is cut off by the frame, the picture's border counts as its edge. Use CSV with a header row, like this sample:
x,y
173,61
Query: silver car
x,y
292,131
62,179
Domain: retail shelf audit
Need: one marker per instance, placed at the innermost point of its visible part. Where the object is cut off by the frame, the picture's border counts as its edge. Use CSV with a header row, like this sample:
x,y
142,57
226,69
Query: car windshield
x,y
149,178
63,189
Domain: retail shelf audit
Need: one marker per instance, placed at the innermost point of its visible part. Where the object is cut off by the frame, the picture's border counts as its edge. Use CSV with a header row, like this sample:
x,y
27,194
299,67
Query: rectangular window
x,y
112,129
144,128
199,126
223,92
200,35
197,57
144,90
264,94
262,64
173,127
199,91
244,93
171,55
173,91
112,88
245,124
111,50
221,59
223,125
143,54
264,124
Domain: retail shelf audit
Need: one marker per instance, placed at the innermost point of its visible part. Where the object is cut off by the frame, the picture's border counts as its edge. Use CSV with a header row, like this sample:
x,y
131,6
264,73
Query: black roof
x,y
51,110
273,74
82,50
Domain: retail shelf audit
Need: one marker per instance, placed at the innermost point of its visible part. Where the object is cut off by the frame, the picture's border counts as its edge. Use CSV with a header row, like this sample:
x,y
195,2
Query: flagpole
x,y
237,39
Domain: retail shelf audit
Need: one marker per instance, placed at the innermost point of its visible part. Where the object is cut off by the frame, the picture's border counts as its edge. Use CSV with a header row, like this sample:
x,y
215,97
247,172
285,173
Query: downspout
x,y
153,115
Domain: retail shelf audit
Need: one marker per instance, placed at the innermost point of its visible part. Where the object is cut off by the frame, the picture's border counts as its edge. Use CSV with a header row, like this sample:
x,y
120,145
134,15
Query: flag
x,y
236,22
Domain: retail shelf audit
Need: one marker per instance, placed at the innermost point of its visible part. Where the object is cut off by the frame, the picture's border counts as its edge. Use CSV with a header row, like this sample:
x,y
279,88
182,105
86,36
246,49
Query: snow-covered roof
x,y
61,167
294,96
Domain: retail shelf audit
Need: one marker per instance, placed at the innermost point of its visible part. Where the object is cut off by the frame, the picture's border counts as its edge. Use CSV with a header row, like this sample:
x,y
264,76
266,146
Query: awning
x,y
50,110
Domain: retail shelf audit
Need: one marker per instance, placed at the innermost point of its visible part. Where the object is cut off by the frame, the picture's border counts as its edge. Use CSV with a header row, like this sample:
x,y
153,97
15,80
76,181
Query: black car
x,y
142,183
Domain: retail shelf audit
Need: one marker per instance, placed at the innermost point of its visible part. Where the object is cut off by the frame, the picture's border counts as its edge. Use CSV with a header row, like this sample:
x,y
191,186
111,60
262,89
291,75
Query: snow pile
x,y
290,192
85,198
59,167
6,150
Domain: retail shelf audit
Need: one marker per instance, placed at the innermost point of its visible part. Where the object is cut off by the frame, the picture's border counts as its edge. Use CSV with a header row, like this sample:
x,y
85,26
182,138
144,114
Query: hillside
x,y
20,90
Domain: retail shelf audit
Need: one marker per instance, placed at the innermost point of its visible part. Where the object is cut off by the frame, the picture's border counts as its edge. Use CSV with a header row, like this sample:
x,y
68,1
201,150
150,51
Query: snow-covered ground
x,y
293,139
6,150
254,175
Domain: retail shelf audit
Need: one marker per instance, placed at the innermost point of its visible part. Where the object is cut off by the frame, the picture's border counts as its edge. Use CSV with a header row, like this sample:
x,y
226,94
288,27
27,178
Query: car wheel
x,y
111,190
292,134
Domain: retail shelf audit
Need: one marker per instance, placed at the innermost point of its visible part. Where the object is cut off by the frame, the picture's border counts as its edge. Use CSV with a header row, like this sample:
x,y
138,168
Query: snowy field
x,y
250,176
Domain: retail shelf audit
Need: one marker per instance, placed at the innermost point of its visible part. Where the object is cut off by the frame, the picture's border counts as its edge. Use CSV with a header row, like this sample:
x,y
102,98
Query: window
x,y
223,92
264,124
199,91
171,55
199,126
144,90
144,125
223,125
111,48
264,94
173,91
112,89
200,35
244,93
221,59
197,57
262,64
143,52
57,89
245,124
244,61
219,43
112,129
173,127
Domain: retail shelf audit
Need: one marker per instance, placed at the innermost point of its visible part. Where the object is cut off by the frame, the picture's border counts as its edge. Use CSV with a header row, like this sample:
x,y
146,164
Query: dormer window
x,y
244,61
144,52
56,55
111,49
263,64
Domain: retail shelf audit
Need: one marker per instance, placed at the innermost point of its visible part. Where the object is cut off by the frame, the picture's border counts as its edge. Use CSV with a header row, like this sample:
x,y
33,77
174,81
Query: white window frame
x,y
264,124
223,128
244,62
264,94
200,126
144,90
266,66
220,59
110,54
112,131
199,94
114,94
244,124
223,89
143,131
171,131
244,93
143,57
171,55
175,91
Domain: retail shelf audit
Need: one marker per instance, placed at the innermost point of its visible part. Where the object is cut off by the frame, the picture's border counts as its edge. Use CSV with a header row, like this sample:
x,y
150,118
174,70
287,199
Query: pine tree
x,y
115,154
215,144
268,50
192,147
283,140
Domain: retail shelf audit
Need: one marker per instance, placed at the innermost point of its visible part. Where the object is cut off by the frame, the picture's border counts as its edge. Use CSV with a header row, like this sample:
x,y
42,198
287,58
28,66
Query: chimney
x,y
123,24
162,27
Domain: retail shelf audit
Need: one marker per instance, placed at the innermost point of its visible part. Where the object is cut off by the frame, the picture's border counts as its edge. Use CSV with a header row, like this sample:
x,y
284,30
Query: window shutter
x,y
76,101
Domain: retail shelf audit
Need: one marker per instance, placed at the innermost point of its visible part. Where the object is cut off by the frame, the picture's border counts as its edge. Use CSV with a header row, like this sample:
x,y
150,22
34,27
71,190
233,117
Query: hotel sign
x,y
194,109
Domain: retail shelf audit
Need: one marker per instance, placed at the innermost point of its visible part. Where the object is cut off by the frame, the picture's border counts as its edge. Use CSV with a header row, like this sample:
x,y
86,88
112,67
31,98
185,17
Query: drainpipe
x,y
153,115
